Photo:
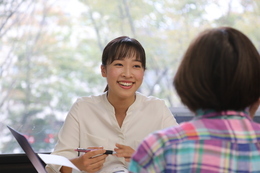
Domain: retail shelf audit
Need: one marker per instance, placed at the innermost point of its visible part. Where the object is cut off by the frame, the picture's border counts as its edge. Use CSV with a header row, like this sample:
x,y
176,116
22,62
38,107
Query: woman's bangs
x,y
125,51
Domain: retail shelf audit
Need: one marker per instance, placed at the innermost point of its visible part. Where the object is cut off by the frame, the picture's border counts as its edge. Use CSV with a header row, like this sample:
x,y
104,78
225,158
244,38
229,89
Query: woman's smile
x,y
126,83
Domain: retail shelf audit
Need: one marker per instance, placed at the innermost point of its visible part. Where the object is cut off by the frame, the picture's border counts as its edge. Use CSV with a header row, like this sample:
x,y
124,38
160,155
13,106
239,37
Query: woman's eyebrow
x,y
138,60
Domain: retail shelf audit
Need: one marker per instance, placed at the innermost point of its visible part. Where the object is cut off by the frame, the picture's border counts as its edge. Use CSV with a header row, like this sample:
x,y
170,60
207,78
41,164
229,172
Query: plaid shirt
x,y
223,142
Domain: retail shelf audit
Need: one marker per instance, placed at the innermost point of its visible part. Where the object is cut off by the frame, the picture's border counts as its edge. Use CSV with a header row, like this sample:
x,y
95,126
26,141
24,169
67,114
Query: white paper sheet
x,y
57,160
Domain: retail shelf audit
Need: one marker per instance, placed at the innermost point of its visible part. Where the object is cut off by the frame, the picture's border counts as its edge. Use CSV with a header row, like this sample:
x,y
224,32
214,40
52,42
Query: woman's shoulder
x,y
91,99
149,99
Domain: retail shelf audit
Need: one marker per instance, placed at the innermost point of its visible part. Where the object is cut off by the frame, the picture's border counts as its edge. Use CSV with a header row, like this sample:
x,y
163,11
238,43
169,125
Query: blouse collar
x,y
131,107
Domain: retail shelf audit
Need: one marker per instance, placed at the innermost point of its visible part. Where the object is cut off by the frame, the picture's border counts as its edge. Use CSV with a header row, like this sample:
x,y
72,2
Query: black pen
x,y
88,150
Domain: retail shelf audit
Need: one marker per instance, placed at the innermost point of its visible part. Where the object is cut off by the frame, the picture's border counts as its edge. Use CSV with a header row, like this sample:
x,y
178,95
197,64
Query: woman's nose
x,y
127,72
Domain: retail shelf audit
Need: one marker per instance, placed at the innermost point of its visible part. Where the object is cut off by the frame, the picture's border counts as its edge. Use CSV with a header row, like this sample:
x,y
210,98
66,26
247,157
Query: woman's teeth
x,y
125,84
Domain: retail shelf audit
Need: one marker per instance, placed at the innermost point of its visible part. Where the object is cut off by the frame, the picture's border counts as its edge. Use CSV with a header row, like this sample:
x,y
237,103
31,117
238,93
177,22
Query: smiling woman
x,y
120,116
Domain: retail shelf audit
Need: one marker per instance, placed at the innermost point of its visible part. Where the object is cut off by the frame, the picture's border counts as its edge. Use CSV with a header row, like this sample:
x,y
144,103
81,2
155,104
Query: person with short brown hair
x,y
219,80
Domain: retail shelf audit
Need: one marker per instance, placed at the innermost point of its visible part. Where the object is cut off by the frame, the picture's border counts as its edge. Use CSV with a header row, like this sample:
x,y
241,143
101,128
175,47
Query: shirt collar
x,y
207,113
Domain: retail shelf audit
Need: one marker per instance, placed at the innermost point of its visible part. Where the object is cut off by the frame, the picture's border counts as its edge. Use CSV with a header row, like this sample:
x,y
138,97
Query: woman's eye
x,y
118,64
137,66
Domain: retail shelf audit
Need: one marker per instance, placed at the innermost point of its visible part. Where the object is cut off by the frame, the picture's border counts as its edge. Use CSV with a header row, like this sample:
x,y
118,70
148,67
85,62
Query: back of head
x,y
220,70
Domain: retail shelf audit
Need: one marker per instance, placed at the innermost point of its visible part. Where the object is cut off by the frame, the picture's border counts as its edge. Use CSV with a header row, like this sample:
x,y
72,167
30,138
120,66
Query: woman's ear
x,y
253,108
103,71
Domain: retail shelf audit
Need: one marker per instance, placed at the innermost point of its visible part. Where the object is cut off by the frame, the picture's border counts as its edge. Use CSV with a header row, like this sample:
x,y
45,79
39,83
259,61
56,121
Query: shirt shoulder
x,y
175,134
148,99
207,129
88,103
91,99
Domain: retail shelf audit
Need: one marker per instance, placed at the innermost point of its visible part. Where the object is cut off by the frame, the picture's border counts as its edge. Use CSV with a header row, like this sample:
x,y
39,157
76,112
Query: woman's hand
x,y
90,162
124,151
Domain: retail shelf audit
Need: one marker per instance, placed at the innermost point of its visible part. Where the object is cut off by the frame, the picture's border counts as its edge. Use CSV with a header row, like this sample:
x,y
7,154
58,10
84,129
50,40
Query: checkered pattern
x,y
222,142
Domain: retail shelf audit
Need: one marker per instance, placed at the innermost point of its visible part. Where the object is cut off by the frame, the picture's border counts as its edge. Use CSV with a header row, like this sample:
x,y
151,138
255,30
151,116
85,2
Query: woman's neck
x,y
120,103
121,106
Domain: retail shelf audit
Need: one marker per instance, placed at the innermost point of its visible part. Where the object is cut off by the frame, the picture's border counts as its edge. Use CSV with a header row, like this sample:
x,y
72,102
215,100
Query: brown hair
x,y
220,70
123,47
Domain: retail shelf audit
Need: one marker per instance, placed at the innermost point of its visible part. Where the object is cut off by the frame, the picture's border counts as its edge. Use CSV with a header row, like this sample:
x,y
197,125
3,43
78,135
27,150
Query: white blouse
x,y
92,122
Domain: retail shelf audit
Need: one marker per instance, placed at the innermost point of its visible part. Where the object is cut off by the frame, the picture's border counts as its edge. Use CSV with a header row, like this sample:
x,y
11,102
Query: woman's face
x,y
124,77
